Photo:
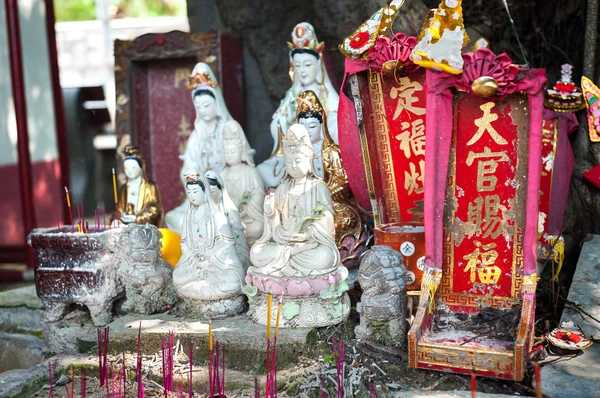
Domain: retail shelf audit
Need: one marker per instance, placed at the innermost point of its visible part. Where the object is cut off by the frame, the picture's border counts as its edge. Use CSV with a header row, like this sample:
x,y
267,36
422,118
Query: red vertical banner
x,y
486,192
395,134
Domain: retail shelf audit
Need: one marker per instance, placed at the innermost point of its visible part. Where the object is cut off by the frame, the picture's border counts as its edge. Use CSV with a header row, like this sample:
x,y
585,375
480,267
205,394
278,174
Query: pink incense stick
x,y
124,376
190,379
223,375
216,367
83,386
256,390
105,362
100,357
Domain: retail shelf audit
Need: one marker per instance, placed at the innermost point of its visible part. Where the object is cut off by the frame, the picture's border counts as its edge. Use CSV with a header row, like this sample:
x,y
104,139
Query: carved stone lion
x,y
382,308
145,275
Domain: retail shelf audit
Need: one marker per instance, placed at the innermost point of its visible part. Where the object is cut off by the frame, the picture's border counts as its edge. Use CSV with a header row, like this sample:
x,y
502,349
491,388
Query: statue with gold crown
x,y
308,73
244,183
351,235
139,199
209,275
204,149
297,256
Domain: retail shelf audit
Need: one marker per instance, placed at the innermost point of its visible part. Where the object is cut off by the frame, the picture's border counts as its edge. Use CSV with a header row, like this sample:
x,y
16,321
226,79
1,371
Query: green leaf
x,y
290,310
327,294
250,290
342,286
335,310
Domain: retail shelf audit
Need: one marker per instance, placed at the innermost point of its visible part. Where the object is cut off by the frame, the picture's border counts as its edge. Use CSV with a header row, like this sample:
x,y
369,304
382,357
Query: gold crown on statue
x,y
304,38
133,152
200,79
308,101
489,275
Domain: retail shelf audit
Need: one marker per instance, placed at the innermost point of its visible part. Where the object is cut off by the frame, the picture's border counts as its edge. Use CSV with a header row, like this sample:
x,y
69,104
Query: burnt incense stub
x,y
77,268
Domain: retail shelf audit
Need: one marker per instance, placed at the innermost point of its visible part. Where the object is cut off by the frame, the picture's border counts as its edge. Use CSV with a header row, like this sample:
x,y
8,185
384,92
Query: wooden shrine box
x,y
481,212
155,110
392,138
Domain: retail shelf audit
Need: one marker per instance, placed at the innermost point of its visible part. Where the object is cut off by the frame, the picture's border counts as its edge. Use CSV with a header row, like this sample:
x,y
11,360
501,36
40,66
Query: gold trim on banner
x,y
364,146
384,148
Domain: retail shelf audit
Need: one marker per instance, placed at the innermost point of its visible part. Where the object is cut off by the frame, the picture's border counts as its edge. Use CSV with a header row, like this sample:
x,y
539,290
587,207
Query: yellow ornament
x,y
442,39
171,246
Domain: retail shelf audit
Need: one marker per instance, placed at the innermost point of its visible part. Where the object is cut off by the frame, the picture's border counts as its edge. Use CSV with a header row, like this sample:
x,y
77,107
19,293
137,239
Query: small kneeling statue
x,y
143,272
382,308
297,257
209,274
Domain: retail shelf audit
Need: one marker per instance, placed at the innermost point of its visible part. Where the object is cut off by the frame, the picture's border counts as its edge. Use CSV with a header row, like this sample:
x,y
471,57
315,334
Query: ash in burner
x,y
500,323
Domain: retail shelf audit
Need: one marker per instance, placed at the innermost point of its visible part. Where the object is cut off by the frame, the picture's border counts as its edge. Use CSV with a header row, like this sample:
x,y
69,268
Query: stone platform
x,y
244,341
580,377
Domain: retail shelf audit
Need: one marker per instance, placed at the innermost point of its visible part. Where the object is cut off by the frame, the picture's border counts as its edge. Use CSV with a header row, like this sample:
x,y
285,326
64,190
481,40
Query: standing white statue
x,y
223,200
309,73
297,256
244,183
204,149
209,274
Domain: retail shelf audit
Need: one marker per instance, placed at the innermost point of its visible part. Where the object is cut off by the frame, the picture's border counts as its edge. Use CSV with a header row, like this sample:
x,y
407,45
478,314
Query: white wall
x,y
38,87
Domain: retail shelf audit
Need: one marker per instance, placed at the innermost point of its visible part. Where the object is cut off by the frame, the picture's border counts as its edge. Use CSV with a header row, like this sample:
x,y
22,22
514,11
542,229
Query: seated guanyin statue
x,y
223,201
244,183
297,256
209,274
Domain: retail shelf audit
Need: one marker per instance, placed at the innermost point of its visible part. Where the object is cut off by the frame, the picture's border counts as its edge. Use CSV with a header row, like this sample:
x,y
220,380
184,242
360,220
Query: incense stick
x,y
70,210
114,176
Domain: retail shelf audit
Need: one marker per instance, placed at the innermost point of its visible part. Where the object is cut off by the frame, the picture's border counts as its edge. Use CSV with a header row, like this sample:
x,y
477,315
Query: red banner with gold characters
x,y
486,186
395,136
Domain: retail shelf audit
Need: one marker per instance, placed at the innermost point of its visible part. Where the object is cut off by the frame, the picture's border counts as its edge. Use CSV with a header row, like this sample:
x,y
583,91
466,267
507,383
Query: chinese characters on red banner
x,y
485,179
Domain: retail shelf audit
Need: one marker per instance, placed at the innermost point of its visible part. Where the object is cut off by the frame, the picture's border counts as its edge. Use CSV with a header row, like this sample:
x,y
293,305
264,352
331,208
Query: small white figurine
x,y
244,183
209,274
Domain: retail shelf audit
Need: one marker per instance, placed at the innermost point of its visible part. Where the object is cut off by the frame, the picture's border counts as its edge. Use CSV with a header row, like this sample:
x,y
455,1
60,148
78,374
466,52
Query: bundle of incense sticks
x,y
167,362
103,354
340,364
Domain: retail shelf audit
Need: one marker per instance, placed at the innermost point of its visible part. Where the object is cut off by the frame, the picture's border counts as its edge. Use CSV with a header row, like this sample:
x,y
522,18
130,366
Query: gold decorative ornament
x,y
200,79
484,86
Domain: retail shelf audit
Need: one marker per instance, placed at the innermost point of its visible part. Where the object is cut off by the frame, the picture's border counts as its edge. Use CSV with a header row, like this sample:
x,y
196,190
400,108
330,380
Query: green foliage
x,y
74,10
85,10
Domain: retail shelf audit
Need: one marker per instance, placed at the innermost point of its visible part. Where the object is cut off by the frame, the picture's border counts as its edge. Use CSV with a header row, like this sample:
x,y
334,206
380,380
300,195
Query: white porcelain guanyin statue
x,y
223,200
244,183
309,73
209,274
297,255
204,149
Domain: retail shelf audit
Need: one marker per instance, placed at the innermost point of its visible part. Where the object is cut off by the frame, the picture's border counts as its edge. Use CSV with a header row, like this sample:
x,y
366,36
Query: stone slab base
x,y
243,340
214,309
300,312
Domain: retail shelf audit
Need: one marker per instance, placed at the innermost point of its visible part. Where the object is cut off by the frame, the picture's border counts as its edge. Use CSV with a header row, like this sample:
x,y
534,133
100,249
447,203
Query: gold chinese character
x,y
404,94
485,124
413,138
485,211
181,74
488,272
411,179
486,182
184,127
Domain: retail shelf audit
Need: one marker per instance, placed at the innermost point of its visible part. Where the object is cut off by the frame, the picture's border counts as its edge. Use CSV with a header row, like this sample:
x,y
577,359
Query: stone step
x,y
20,351
244,341
21,311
